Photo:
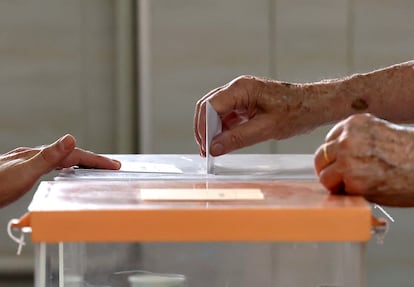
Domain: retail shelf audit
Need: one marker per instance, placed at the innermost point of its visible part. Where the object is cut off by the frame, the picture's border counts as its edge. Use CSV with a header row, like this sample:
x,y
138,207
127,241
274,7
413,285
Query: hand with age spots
x,y
22,167
369,157
252,110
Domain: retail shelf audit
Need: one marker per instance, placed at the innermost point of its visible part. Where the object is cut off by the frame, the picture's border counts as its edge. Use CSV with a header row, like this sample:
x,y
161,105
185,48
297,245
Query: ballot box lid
x,y
194,210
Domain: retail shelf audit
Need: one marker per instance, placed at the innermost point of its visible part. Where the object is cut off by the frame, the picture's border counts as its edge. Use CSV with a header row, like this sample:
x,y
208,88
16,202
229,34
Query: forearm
x,y
387,93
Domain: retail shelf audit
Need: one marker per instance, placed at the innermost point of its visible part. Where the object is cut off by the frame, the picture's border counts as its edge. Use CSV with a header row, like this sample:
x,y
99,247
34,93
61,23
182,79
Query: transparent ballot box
x,y
271,224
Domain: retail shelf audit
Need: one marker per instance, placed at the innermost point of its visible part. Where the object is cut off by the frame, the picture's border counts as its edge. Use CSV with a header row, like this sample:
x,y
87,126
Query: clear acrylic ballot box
x,y
259,220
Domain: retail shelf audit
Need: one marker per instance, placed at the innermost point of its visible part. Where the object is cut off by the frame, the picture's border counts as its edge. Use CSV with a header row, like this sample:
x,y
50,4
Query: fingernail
x,y
217,149
202,152
117,162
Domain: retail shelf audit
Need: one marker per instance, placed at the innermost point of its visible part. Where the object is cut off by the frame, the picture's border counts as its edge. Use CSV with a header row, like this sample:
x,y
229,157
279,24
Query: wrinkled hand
x,y
252,110
369,157
22,167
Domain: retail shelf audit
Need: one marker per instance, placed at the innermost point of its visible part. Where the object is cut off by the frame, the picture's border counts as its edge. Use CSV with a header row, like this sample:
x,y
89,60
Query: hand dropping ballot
x,y
213,127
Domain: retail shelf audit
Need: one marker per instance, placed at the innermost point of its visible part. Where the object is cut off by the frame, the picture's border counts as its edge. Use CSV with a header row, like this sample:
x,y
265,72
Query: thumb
x,y
226,142
248,133
51,156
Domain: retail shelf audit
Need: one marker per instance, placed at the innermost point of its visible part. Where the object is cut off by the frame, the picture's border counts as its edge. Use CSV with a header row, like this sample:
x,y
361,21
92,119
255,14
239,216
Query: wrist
x,y
325,101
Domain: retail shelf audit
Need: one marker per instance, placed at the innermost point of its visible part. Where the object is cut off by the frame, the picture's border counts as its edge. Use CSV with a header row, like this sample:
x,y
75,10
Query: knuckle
x,y
359,118
241,80
237,141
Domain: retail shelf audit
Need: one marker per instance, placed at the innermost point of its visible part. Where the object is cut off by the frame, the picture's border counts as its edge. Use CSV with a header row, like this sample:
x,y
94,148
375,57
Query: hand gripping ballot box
x,y
259,220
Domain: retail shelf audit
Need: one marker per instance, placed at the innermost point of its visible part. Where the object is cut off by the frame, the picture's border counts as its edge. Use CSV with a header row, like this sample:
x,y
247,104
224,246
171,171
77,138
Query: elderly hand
x,y
253,110
22,167
366,156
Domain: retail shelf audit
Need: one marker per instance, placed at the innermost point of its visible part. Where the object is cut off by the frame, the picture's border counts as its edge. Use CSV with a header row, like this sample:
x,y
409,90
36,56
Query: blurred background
x,y
124,76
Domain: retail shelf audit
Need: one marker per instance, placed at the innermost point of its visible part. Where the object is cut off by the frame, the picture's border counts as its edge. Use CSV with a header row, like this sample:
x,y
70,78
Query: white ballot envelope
x,y
213,127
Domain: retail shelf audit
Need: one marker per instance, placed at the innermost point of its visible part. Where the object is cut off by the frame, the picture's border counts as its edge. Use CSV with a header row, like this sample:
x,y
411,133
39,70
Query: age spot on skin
x,y
359,104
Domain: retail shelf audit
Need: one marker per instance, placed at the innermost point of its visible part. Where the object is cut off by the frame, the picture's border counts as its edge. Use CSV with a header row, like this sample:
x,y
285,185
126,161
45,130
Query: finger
x,y
200,123
229,98
42,162
51,156
89,159
232,120
197,118
325,155
249,133
201,128
332,179
222,102
335,132
30,170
